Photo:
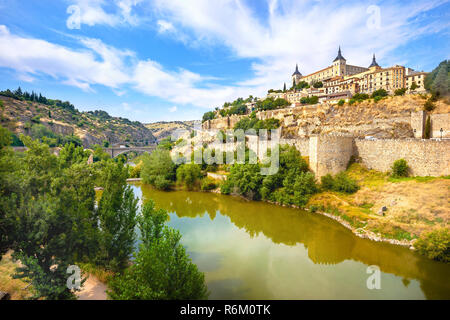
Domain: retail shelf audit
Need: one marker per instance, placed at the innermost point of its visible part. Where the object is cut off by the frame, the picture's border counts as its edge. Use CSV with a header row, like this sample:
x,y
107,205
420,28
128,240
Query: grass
x,y
415,204
15,287
100,273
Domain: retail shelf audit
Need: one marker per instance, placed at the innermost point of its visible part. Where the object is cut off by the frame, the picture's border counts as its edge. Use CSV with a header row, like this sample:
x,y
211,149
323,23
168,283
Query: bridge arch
x,y
114,152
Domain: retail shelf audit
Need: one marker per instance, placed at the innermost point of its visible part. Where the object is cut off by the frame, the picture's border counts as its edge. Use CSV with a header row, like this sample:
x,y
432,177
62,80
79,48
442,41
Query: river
x,y
256,250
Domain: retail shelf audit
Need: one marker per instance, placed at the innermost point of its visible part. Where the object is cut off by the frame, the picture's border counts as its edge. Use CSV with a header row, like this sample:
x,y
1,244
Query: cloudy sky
x,y
151,60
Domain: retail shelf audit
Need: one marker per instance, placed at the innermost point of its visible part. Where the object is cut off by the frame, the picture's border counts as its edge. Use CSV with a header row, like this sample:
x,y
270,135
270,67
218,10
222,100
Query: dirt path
x,y
93,289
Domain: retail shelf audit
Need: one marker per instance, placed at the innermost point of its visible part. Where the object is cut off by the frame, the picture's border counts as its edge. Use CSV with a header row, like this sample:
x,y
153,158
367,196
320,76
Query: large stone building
x,y
341,80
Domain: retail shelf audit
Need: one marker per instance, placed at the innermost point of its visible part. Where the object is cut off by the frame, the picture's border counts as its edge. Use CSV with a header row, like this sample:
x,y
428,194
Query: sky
x,y
166,60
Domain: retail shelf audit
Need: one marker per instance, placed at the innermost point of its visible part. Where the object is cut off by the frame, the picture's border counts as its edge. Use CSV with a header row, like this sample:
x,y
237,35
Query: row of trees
x,y
293,184
49,218
34,97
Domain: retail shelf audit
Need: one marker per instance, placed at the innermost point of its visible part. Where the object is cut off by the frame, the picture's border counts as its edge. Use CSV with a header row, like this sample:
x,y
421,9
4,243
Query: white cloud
x,y
93,12
101,64
306,32
165,26
173,109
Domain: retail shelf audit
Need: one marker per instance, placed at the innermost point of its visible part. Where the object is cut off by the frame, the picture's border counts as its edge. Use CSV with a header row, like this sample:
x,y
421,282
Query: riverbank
x,y
397,211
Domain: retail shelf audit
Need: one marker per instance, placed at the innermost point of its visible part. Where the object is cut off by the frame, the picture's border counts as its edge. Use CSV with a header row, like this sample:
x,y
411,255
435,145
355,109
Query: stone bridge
x,y
115,151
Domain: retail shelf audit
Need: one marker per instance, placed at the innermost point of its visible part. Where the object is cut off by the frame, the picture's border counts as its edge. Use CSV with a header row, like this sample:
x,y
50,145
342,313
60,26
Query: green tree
x,y
189,175
414,86
435,245
400,92
54,221
379,93
162,270
438,80
399,168
210,115
117,217
427,133
245,179
158,169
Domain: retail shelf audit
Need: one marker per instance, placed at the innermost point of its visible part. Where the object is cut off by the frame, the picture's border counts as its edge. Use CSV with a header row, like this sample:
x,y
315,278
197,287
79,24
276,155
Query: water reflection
x,y
253,250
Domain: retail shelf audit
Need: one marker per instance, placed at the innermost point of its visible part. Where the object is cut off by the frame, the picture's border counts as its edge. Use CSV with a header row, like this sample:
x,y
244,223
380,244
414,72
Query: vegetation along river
x,y
255,250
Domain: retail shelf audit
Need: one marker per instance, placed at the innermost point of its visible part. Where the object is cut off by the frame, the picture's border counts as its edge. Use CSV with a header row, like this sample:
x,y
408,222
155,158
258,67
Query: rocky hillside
x,y
387,118
63,120
164,129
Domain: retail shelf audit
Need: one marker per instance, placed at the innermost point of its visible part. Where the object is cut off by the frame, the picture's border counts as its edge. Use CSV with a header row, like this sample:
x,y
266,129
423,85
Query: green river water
x,y
255,250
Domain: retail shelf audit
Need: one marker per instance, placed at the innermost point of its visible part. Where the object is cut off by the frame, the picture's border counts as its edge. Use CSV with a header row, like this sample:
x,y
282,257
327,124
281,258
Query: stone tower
x,y
374,65
339,65
296,76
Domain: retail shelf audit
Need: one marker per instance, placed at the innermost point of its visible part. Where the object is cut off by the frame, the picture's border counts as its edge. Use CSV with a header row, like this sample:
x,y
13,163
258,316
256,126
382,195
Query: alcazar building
x,y
341,80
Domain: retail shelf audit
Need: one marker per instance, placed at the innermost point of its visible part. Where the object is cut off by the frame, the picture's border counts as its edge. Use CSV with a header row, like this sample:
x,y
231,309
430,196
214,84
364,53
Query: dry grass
x,y
15,287
414,205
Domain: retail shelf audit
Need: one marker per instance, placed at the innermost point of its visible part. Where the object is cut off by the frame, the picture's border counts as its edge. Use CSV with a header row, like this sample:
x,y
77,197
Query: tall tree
x,y
162,269
117,215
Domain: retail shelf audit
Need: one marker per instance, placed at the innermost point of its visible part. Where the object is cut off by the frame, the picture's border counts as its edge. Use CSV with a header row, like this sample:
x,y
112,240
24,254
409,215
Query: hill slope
x,y
164,129
63,120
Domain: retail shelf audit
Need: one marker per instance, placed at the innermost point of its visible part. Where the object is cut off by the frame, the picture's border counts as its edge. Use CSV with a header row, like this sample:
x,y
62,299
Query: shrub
x,y
343,183
351,101
158,169
210,115
135,172
189,174
400,168
400,92
208,184
377,98
341,102
327,182
429,105
379,93
435,245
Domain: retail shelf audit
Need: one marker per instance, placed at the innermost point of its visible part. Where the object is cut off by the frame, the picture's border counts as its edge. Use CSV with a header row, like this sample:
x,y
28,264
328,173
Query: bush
x,y
351,101
158,169
327,182
135,172
189,174
400,168
429,105
208,184
343,183
400,92
377,98
379,93
340,183
435,245
341,102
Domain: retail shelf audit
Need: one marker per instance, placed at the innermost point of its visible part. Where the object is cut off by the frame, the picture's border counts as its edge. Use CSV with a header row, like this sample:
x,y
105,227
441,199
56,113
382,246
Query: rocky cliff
x,y
387,118
91,127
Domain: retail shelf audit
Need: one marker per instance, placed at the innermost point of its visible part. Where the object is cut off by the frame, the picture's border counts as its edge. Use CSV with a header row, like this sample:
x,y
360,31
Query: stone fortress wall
x,y
331,154
330,136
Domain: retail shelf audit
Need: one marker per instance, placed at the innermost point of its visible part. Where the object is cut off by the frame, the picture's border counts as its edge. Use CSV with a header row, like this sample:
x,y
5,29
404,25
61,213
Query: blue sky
x,y
152,60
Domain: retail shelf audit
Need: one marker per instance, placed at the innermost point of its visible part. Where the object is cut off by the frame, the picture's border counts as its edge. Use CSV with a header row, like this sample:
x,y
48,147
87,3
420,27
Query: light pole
x,y
441,132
